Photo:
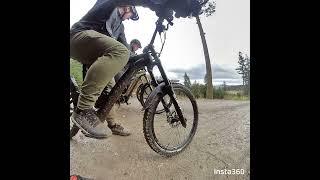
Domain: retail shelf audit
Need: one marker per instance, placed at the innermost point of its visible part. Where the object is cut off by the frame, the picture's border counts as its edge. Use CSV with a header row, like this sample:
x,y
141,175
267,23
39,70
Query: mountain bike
x,y
170,110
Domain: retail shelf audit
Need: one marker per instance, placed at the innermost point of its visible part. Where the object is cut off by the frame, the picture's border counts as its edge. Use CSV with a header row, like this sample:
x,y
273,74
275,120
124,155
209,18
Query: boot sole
x,y
94,137
119,134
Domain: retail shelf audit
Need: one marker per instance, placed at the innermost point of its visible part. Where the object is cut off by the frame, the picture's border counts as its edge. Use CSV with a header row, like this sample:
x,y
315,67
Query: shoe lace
x,y
93,119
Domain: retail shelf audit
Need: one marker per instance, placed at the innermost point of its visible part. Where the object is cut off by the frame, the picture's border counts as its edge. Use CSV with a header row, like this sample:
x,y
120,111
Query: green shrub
x,y
76,70
218,93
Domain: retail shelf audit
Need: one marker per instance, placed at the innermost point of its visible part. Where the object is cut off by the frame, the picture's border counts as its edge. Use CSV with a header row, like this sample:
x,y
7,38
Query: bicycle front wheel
x,y
164,132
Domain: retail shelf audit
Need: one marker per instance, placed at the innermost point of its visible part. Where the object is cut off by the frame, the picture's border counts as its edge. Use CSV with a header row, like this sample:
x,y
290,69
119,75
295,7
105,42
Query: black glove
x,y
166,13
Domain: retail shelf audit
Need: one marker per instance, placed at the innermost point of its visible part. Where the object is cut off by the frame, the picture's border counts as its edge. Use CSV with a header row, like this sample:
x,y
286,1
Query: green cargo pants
x,y
111,116
106,57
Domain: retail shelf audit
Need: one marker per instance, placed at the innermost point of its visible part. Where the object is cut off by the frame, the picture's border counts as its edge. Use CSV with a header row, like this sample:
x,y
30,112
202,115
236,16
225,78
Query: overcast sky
x,y
227,33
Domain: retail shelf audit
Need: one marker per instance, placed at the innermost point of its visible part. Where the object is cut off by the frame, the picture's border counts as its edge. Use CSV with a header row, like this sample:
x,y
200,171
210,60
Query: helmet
x,y
135,15
135,41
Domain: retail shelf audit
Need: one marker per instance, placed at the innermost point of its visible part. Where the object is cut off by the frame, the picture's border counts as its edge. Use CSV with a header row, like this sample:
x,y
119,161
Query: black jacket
x,y
95,18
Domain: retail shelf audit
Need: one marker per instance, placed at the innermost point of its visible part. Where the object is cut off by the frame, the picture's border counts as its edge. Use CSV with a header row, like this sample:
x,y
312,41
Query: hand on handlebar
x,y
164,12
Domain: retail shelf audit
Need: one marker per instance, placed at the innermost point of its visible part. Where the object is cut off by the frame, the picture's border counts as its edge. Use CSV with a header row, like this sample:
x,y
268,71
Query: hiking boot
x,y
89,123
117,129
102,126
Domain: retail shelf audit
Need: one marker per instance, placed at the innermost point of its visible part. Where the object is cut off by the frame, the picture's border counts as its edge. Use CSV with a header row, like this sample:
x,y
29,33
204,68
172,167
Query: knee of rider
x,y
126,55
123,52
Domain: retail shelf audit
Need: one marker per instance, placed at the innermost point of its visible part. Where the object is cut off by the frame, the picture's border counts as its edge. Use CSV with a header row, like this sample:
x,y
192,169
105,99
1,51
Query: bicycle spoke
x,y
165,132
178,135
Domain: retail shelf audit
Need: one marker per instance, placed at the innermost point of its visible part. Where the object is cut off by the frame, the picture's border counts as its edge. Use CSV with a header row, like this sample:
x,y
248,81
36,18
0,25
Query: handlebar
x,y
169,21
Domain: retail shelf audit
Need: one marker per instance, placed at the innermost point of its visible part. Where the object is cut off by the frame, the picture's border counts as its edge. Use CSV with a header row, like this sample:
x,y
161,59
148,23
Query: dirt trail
x,y
221,142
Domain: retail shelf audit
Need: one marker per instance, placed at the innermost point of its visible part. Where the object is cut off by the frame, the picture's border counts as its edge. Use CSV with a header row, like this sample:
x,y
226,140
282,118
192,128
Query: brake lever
x,y
169,22
167,27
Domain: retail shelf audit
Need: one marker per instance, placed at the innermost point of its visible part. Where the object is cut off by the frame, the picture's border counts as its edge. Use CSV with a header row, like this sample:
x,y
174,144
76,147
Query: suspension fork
x,y
168,90
176,105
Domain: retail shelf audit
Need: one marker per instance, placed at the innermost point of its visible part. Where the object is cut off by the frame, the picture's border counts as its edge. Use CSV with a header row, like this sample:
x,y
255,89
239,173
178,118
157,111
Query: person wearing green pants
x,y
92,43
106,56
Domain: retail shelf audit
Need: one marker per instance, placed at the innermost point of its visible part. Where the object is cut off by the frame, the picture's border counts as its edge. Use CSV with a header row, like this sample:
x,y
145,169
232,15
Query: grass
x,y
237,96
76,70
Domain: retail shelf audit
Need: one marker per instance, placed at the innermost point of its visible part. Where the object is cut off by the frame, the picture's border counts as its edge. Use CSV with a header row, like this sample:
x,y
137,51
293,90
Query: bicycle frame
x,y
149,59
134,84
131,87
